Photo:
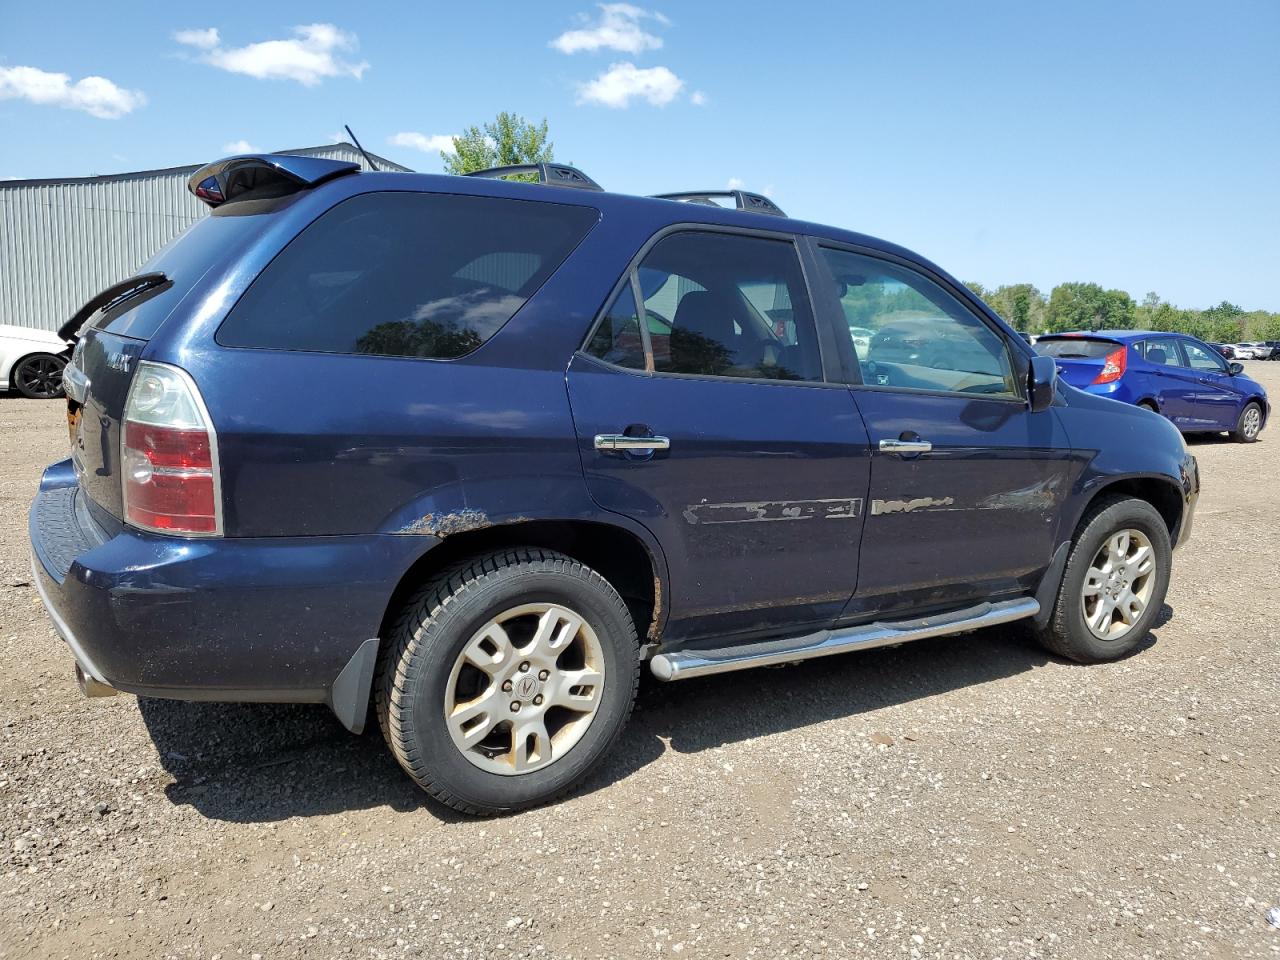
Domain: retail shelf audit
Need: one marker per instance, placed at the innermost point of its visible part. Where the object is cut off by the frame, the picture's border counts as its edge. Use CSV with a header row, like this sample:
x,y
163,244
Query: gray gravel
x,y
957,798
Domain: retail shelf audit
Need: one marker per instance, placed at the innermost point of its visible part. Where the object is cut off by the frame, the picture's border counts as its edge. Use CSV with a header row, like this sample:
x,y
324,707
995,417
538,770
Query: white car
x,y
31,361
861,337
1244,351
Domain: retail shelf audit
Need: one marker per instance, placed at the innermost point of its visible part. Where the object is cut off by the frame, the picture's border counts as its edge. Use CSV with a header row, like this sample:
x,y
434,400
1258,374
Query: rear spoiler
x,y
231,177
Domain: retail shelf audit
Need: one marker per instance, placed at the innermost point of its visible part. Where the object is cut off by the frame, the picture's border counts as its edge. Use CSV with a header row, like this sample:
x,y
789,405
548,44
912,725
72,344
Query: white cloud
x,y
698,98
623,82
736,184
205,39
618,28
97,96
311,55
240,146
436,143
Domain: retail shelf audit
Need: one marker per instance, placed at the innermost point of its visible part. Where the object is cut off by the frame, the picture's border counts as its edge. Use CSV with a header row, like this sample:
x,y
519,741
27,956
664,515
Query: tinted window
x,y
617,338
1075,348
1202,358
909,332
406,274
728,306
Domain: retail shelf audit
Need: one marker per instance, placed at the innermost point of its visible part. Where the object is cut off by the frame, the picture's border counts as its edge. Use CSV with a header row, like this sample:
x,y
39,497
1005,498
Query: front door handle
x,y
905,446
620,441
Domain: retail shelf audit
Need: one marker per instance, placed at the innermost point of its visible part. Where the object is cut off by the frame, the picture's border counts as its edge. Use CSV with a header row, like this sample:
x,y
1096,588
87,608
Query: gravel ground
x,y
957,798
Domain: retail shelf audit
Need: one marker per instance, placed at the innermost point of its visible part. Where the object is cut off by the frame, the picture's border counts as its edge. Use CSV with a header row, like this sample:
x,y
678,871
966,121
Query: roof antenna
x,y
363,152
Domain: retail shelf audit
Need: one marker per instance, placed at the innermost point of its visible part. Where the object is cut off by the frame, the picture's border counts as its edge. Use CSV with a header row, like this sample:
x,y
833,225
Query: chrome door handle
x,y
905,446
620,441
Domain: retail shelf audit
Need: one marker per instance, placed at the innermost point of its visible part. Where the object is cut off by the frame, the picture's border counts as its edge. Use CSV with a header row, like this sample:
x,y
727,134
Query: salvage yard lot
x,y
960,797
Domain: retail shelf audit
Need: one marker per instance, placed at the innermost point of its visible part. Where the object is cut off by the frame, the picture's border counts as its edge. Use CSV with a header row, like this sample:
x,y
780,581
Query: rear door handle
x,y
620,441
905,446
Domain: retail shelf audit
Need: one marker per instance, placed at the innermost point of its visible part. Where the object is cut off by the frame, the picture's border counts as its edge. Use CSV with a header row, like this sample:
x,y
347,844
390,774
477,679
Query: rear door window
x,y
406,275
1162,351
720,305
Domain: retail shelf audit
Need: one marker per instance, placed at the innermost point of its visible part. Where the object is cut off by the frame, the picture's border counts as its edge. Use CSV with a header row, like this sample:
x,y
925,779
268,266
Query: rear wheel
x,y
1149,405
506,679
1114,584
1250,423
39,376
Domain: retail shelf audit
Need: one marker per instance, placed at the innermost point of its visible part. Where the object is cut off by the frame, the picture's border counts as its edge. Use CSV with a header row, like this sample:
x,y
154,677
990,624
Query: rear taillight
x,y
170,455
1113,366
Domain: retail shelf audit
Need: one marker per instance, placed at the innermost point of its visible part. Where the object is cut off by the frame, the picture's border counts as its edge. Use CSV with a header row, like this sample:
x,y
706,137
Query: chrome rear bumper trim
x,y
683,664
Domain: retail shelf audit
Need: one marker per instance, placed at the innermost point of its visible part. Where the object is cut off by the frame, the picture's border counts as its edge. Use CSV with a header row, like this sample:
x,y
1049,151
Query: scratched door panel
x,y
758,503
972,518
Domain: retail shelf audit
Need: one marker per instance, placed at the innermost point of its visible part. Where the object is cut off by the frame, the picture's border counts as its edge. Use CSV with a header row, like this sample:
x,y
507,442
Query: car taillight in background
x,y
170,455
1113,366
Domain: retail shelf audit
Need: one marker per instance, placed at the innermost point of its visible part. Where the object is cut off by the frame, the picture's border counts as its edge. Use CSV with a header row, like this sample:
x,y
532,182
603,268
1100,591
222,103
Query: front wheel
x,y
506,679
39,376
1249,425
1114,584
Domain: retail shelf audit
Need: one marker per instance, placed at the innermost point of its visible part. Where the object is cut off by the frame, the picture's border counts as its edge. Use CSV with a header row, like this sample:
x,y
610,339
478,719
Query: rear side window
x,y
716,305
1075,348
406,275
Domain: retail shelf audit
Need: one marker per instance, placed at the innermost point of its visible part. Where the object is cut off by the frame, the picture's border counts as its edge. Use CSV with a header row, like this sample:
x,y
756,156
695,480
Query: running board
x,y
682,664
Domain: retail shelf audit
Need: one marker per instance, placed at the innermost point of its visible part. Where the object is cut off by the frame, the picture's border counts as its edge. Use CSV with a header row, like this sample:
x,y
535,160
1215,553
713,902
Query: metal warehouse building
x,y
61,241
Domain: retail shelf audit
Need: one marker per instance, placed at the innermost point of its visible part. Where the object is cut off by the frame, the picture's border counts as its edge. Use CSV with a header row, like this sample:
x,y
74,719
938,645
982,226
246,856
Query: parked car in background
x,y
31,361
1027,337
474,451
1226,349
861,337
1262,350
1244,351
1275,349
1174,374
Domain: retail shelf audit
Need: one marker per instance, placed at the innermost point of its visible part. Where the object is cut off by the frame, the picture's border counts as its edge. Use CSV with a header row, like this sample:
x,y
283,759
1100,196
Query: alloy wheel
x,y
525,688
1252,423
1119,584
40,377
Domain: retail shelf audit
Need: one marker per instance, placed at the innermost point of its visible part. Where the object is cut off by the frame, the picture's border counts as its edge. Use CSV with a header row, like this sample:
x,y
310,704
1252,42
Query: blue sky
x,y
1133,144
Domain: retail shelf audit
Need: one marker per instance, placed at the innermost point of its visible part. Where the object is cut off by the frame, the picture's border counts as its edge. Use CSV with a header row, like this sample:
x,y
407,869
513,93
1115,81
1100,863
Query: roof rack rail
x,y
556,174
743,200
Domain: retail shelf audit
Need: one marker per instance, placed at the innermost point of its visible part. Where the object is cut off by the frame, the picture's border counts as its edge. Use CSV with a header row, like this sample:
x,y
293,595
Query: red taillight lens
x,y
169,457
1113,366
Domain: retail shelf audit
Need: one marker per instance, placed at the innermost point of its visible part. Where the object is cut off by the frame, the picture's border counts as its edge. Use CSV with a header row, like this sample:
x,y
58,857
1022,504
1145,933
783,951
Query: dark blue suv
x,y
467,452
1171,373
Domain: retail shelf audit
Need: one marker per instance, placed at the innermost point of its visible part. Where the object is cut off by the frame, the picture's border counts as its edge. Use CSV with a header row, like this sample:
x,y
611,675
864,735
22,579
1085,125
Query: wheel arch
x,y
632,563
1163,493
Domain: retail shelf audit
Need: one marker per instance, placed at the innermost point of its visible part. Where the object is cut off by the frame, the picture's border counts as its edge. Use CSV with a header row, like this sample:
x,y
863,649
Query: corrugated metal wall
x,y
63,241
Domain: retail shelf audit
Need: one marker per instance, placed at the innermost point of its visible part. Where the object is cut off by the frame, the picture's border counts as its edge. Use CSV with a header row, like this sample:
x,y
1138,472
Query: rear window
x,y
406,275
1075,348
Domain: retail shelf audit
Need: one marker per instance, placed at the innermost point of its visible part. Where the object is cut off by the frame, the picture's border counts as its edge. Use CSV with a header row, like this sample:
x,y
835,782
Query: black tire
x,y
1067,634
1246,432
1149,405
434,627
39,376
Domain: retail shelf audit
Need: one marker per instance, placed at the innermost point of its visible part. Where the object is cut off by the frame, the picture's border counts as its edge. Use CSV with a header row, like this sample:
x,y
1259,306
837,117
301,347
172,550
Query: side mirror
x,y
1236,369
1041,379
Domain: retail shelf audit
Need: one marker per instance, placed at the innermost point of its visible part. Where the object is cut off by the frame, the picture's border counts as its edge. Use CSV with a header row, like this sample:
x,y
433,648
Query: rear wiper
x,y
110,298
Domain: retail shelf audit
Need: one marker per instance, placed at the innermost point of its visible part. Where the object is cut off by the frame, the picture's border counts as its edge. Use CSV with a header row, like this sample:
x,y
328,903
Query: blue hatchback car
x,y
1171,373
466,453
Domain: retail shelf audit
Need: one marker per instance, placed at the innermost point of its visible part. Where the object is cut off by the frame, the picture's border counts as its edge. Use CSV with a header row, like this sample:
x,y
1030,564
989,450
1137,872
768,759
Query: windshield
x,y
1075,348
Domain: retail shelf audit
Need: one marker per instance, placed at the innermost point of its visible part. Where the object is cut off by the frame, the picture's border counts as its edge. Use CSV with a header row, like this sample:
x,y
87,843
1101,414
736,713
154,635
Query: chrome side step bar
x,y
682,664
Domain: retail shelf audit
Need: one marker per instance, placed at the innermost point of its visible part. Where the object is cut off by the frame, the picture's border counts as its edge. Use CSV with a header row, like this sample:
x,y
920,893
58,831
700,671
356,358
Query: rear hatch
x,y
112,337
1081,358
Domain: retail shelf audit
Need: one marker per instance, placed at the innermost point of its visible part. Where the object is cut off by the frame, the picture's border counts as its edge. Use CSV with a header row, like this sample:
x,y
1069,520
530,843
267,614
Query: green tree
x,y
1086,306
1020,304
508,140
978,289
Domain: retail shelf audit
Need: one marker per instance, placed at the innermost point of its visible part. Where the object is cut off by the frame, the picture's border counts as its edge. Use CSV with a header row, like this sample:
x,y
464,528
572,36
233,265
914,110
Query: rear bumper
x,y
270,619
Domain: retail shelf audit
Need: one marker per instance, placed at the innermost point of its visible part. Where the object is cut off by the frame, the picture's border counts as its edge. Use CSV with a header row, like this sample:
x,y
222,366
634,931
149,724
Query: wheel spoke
x,y
578,690
1103,614
1142,562
556,630
1093,581
1119,547
490,649
531,744
472,721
